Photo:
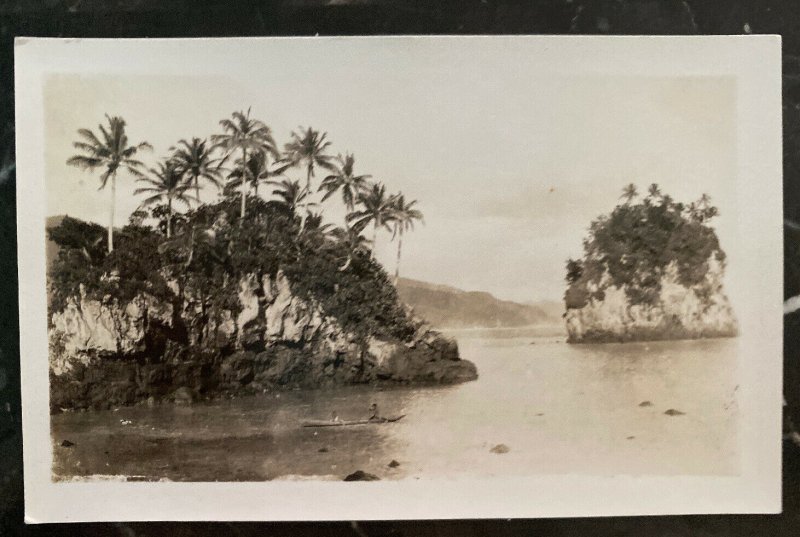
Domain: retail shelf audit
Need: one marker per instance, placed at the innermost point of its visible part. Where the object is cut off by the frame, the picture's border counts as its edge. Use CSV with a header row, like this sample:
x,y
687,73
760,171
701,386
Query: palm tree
x,y
703,210
245,135
343,179
307,147
629,193
353,242
195,158
112,152
165,186
654,191
290,194
377,210
316,223
704,202
317,231
403,216
694,212
255,171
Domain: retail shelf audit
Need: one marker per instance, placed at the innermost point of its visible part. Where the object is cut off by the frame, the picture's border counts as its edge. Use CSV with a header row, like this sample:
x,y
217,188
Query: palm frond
x,y
146,190
107,140
84,162
104,178
90,137
90,149
157,198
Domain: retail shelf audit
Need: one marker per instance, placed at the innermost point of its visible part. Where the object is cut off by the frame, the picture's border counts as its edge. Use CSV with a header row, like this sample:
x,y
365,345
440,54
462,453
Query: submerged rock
x,y
673,412
645,404
360,475
500,449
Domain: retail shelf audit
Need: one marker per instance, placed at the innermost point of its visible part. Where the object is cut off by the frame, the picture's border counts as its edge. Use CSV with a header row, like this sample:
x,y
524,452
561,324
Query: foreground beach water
x,y
539,406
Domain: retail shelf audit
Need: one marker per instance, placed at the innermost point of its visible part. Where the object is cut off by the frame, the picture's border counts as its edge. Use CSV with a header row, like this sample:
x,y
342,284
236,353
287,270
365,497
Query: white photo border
x,y
755,63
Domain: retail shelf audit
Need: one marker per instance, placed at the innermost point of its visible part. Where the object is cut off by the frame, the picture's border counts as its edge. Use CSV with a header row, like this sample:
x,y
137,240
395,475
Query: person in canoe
x,y
373,414
334,420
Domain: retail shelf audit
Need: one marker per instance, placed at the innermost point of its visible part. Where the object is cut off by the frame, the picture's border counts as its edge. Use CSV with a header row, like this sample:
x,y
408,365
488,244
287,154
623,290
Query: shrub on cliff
x,y
83,261
633,246
209,253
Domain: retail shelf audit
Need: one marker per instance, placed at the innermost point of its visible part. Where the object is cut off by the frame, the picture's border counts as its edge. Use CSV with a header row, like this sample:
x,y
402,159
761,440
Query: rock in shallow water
x,y
360,475
680,312
500,449
673,412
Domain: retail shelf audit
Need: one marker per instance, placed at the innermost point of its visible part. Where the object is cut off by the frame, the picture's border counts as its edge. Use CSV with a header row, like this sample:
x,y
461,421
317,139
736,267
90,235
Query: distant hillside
x,y
448,307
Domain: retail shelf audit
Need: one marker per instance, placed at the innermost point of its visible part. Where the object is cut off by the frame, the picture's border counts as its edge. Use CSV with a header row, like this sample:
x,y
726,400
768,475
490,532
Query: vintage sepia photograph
x,y
349,263
228,303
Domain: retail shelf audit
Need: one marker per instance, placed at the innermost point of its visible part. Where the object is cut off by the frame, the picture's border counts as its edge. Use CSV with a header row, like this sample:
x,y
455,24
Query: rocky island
x,y
651,270
222,311
245,294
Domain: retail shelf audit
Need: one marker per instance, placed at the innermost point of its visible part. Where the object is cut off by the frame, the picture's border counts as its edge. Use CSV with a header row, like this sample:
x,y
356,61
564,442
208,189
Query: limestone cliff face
x,y
87,328
105,354
680,312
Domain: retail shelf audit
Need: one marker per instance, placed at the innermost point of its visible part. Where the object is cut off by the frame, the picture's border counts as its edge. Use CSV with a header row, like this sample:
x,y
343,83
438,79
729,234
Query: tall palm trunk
x,y
244,181
374,238
399,249
197,188
266,176
169,217
306,199
111,212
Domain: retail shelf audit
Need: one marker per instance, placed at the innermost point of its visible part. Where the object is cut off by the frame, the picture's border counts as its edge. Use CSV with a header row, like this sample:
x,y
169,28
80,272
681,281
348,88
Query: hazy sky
x,y
509,170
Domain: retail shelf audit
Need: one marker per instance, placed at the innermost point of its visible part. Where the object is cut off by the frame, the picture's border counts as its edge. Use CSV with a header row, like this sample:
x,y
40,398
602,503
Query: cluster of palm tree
x,y
699,211
238,160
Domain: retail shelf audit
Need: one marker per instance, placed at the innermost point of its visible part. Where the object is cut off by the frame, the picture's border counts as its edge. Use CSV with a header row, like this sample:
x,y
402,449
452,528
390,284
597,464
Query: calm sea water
x,y
557,408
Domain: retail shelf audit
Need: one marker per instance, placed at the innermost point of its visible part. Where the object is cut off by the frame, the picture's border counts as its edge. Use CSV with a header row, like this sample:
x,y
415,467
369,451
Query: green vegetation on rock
x,y
211,252
635,244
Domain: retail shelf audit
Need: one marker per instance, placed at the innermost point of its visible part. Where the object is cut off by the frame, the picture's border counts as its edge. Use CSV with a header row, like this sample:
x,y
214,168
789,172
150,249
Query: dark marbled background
x,y
185,18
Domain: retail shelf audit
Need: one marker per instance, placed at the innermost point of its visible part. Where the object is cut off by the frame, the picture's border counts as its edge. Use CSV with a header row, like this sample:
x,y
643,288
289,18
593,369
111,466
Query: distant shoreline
x,y
522,327
606,340
504,332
